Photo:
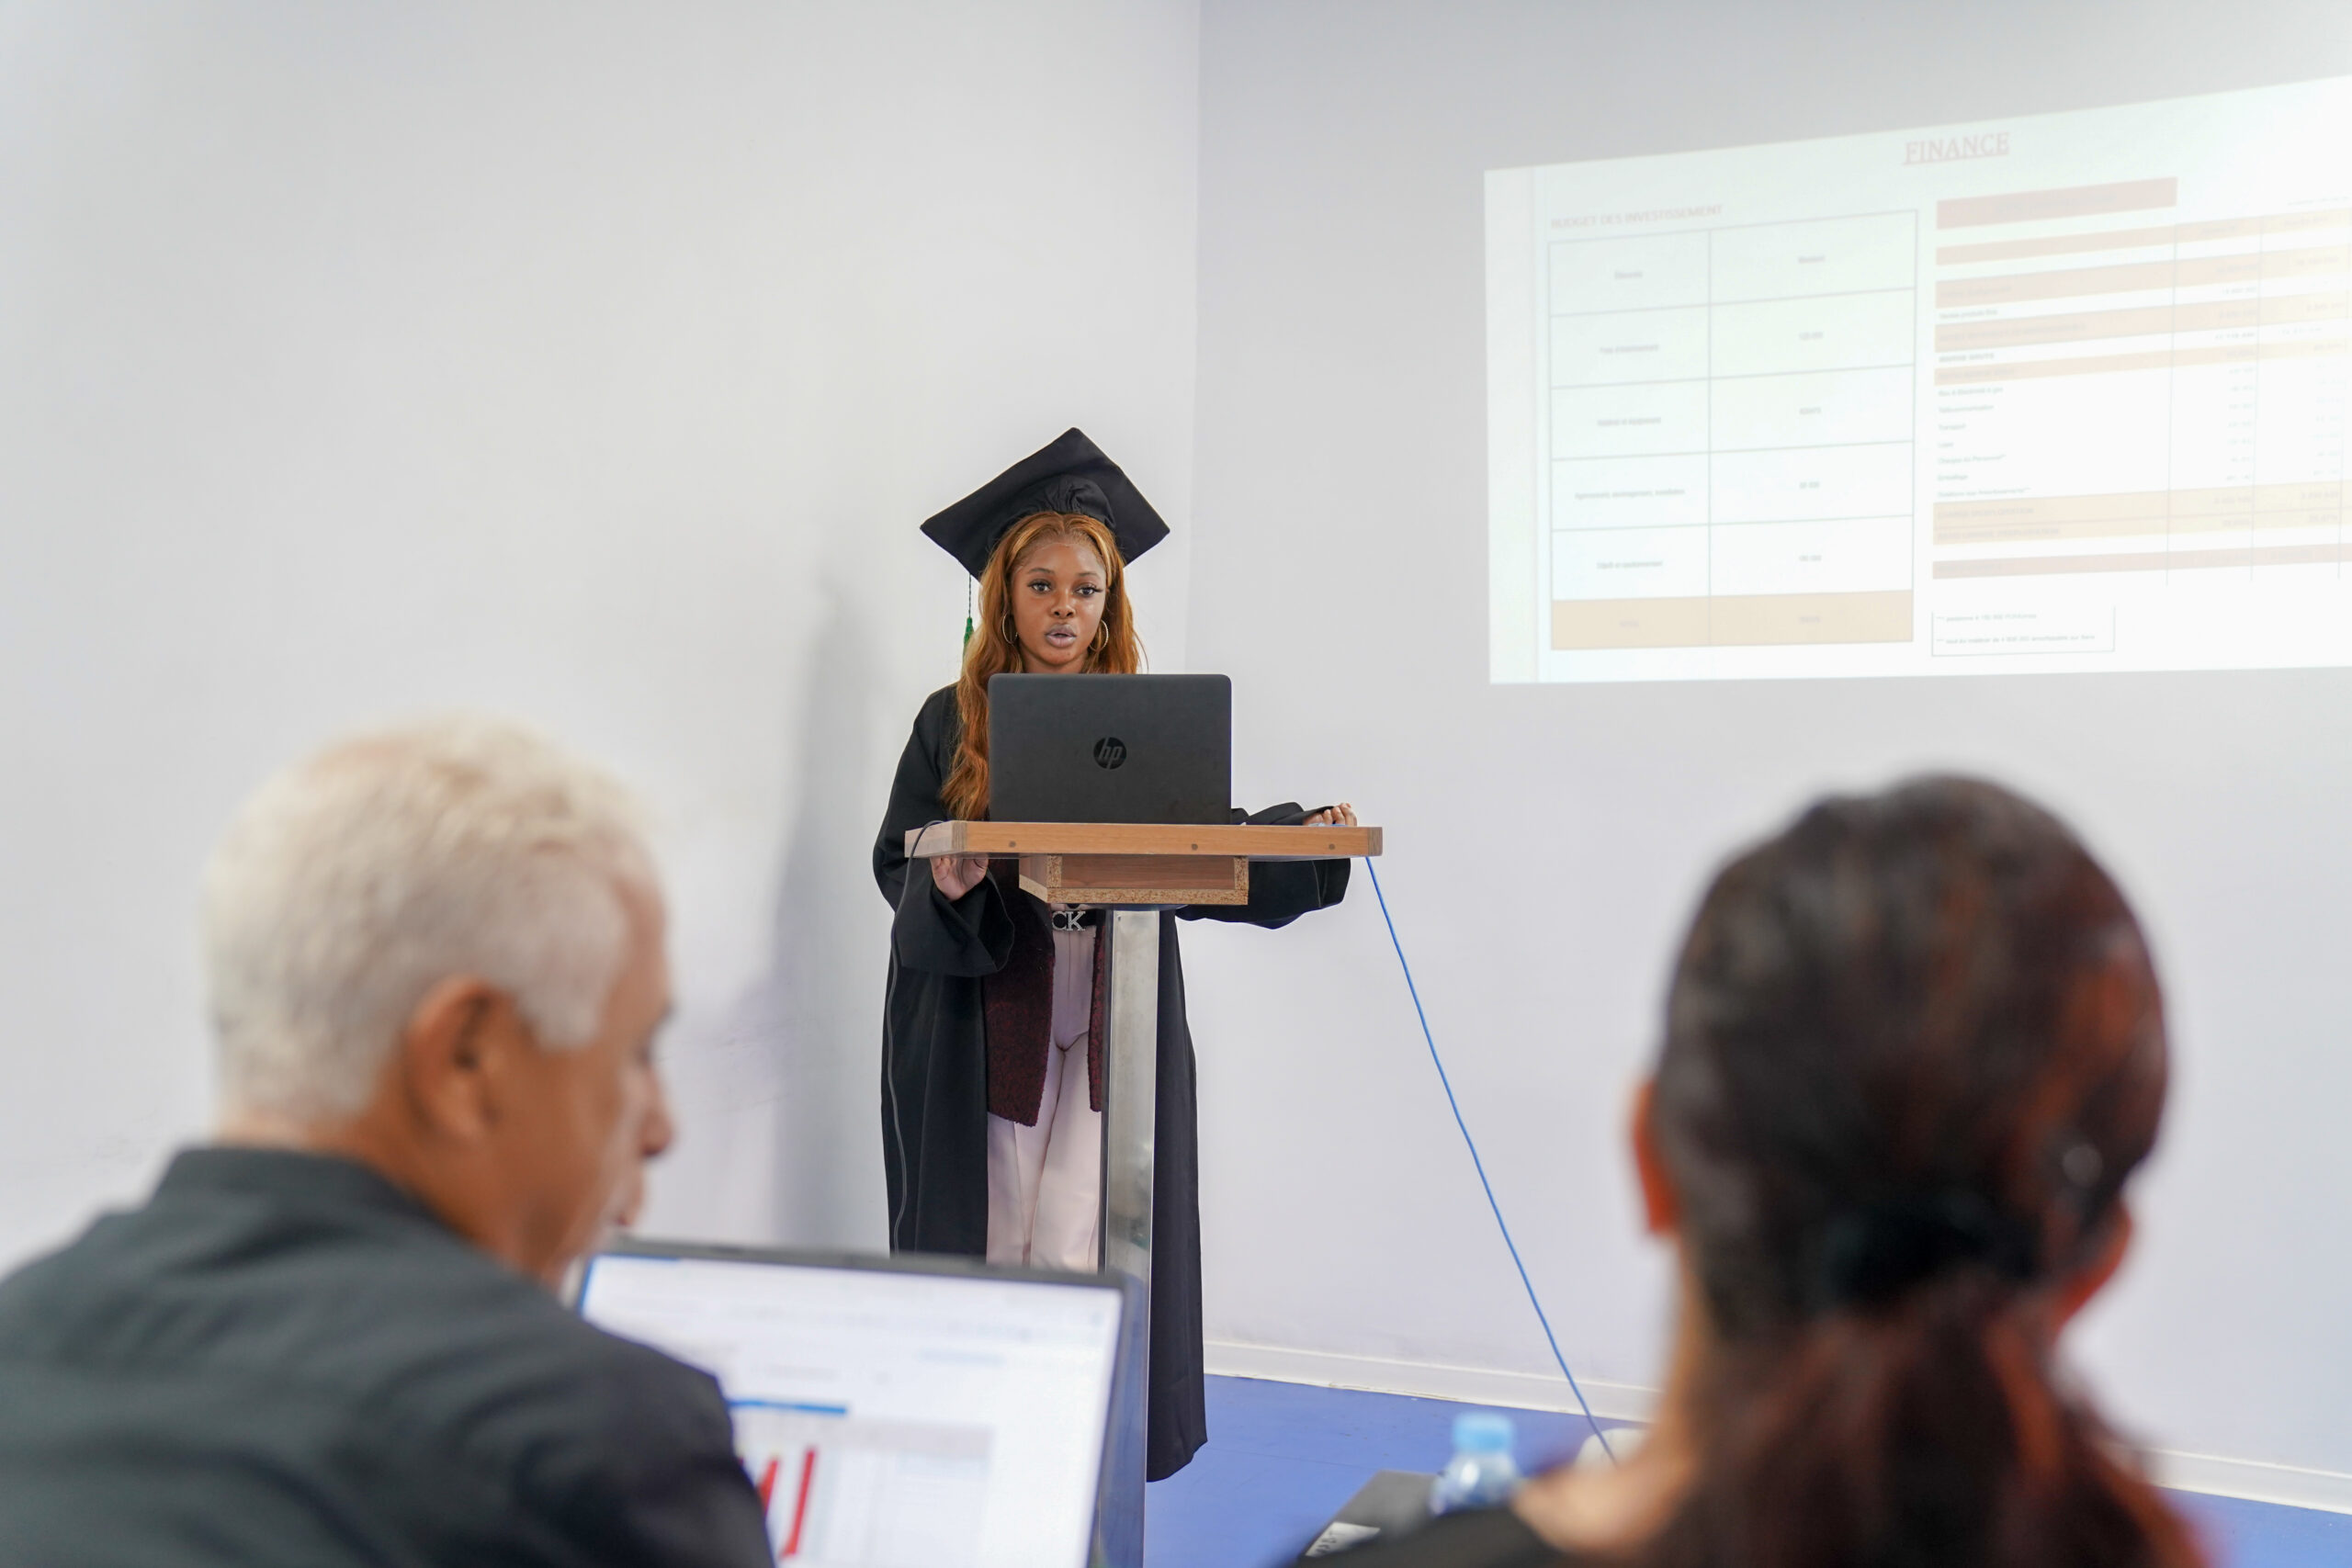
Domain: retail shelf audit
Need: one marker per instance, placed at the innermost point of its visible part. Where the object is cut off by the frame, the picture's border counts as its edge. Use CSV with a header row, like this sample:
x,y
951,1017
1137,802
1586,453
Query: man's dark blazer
x,y
282,1358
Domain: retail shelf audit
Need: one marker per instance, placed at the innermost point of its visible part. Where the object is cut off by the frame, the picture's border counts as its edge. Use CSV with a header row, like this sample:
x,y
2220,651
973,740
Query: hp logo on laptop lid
x,y
1110,751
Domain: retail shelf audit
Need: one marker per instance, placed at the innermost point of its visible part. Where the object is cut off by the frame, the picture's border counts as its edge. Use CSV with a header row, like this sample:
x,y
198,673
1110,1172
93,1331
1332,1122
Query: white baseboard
x,y
2252,1480
1429,1380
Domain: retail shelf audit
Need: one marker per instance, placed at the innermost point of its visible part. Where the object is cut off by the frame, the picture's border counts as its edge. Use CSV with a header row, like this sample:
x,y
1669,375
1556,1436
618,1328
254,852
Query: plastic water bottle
x,y
1481,1475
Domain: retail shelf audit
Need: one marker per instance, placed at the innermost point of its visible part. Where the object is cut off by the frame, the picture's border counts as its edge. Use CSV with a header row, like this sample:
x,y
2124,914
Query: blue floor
x,y
1284,1457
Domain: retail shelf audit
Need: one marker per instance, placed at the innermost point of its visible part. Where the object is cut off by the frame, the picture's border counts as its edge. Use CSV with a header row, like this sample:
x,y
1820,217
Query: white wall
x,y
1547,842
594,363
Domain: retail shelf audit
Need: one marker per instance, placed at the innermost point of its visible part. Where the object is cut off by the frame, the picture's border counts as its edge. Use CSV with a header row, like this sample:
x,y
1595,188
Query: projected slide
x,y
2060,393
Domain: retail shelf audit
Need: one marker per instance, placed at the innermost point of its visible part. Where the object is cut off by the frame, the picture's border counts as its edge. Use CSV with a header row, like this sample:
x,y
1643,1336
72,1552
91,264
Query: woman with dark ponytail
x,y
1914,1048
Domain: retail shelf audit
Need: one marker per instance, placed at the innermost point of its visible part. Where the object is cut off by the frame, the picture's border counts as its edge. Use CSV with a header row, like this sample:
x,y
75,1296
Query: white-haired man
x,y
436,958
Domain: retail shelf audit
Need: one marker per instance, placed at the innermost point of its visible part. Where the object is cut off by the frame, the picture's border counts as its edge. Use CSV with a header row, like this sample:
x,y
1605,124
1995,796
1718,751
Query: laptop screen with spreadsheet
x,y
890,1411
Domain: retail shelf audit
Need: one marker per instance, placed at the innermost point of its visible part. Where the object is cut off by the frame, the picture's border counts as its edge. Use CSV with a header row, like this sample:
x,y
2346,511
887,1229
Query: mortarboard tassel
x,y
968,613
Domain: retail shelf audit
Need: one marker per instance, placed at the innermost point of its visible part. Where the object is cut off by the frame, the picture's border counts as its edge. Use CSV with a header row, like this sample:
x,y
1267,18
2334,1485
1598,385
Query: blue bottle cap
x,y
1483,1432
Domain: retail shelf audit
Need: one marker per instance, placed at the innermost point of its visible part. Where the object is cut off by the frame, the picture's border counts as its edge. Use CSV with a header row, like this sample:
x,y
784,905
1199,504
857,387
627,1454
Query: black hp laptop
x,y
1110,747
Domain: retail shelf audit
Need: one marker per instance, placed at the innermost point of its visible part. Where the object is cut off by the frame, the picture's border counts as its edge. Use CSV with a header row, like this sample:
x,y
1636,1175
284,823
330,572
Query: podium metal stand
x,y
1134,871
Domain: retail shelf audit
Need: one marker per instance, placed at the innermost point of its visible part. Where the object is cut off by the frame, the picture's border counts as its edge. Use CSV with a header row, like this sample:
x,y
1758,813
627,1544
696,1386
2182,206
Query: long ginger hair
x,y
995,647
1914,1047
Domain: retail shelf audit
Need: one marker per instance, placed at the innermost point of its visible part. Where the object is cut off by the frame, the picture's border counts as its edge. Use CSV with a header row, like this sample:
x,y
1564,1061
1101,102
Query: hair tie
x,y
1872,1254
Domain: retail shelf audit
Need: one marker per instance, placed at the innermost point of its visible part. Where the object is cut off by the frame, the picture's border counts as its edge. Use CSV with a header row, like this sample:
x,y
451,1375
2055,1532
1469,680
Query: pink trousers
x,y
1046,1181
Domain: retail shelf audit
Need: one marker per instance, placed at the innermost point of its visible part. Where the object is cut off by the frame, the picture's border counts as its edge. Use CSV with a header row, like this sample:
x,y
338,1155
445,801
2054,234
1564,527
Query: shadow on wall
x,y
807,1037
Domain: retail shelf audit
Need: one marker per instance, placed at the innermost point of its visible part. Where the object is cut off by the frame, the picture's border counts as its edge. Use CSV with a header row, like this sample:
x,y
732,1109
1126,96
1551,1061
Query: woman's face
x,y
1057,593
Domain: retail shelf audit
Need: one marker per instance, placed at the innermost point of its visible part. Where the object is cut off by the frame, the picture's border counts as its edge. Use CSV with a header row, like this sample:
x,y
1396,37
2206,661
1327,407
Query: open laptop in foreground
x,y
892,1410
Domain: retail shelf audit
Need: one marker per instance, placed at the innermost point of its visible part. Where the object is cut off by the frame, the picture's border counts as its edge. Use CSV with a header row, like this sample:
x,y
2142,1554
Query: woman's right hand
x,y
957,875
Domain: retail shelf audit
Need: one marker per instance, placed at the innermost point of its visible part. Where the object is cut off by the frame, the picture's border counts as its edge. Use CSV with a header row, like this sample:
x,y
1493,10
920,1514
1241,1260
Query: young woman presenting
x,y
993,1026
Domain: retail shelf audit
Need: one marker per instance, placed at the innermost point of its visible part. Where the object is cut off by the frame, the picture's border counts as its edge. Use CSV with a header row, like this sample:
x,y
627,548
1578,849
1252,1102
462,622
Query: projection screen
x,y
2061,393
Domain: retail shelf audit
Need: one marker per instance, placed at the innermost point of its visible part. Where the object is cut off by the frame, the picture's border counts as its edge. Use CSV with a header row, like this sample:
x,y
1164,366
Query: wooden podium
x,y
1133,869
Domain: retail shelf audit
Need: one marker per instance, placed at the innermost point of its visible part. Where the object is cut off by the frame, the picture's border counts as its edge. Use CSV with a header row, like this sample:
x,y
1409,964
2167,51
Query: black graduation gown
x,y
934,1057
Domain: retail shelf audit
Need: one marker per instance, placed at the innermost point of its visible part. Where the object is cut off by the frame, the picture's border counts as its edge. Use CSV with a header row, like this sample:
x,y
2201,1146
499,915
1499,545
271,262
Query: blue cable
x,y
1480,1166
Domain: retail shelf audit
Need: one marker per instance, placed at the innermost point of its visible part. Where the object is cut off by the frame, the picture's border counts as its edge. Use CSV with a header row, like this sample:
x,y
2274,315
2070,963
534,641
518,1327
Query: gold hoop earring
x,y
1101,636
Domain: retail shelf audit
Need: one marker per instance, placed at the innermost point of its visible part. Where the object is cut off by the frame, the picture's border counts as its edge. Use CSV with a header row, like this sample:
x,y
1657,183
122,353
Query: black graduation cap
x,y
1070,474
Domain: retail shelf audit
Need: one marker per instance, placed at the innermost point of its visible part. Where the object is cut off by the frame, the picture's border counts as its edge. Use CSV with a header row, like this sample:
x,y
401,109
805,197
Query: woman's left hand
x,y
1340,816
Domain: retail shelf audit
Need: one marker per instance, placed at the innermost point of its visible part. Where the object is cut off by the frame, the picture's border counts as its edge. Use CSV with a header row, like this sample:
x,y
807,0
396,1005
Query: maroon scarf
x,y
1017,1007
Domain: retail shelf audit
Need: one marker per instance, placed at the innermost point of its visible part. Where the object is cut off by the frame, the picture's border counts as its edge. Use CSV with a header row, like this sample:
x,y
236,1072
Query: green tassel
x,y
967,615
